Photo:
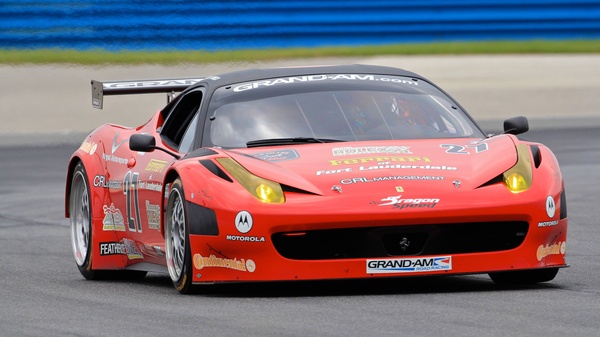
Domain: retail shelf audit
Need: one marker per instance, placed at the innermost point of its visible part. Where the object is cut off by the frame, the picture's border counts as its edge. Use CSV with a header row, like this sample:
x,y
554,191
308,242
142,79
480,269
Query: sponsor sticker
x,y
360,150
550,223
113,219
156,165
133,252
388,178
101,181
279,155
318,78
153,213
245,238
409,265
379,159
243,222
550,207
88,147
387,167
212,261
123,247
553,249
112,248
401,203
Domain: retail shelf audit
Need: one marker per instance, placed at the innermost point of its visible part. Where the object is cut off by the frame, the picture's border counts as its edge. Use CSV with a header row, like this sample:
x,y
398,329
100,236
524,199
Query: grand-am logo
x,y
409,265
398,202
324,77
154,83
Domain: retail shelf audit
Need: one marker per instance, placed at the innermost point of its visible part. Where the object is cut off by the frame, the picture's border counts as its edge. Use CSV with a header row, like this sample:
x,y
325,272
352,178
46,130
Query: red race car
x,y
312,173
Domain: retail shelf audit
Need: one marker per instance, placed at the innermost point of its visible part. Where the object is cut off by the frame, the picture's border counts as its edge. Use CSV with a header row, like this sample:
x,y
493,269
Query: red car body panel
x,y
543,247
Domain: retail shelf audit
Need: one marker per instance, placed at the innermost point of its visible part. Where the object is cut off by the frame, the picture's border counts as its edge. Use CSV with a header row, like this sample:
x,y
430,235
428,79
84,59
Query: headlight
x,y
264,190
519,177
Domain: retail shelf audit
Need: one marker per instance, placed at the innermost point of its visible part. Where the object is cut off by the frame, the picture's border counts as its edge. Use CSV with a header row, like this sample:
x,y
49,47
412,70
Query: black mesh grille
x,y
370,242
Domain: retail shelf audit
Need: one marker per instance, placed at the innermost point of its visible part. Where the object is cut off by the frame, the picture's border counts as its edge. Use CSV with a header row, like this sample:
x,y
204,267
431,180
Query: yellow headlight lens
x,y
266,193
519,177
264,190
515,182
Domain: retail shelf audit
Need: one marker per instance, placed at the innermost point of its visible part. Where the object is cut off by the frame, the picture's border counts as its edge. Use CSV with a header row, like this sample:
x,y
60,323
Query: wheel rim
x,y
80,218
176,235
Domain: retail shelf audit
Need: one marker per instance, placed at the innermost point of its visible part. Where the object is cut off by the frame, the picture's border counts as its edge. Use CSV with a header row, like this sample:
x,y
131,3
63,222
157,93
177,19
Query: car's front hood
x,y
381,166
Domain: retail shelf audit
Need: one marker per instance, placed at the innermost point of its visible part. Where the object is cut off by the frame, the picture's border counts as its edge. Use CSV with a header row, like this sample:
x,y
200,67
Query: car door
x,y
143,185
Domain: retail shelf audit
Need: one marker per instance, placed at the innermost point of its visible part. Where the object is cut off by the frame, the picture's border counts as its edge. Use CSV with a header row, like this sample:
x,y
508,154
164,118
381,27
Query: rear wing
x,y
169,86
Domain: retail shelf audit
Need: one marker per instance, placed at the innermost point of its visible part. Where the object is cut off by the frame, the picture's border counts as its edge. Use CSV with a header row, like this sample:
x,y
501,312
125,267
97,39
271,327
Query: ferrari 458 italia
x,y
311,173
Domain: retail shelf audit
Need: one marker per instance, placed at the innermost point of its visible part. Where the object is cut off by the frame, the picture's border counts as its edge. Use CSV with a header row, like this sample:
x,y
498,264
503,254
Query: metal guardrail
x,y
215,25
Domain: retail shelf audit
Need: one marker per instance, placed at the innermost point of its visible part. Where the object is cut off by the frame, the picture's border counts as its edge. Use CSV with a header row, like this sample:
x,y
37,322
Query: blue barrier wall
x,y
213,25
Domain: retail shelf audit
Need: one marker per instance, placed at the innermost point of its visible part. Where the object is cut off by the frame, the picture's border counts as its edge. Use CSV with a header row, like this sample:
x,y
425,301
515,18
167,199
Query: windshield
x,y
344,110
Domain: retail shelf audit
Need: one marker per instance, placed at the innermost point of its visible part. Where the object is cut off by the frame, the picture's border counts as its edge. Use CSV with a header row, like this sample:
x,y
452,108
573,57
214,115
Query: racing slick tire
x,y
80,211
177,243
522,277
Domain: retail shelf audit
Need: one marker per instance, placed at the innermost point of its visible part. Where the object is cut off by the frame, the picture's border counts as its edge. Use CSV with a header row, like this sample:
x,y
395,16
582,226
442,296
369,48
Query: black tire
x,y
524,277
80,214
177,240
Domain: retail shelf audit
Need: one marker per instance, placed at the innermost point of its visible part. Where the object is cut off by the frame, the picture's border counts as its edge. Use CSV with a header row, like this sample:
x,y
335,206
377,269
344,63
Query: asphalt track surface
x,y
43,294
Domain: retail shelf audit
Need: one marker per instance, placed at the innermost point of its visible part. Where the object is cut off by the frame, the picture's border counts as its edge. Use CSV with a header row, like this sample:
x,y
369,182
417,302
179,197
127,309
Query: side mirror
x,y
146,143
142,143
516,125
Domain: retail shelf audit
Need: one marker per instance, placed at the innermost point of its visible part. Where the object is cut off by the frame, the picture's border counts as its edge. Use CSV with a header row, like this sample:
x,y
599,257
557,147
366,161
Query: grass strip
x,y
133,57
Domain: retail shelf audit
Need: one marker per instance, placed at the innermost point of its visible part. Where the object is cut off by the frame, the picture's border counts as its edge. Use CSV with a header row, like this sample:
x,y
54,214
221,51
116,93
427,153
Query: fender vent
x,y
563,205
537,156
212,167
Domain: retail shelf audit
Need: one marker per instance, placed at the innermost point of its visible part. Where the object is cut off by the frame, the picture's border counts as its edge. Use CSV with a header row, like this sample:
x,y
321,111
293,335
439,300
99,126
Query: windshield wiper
x,y
288,141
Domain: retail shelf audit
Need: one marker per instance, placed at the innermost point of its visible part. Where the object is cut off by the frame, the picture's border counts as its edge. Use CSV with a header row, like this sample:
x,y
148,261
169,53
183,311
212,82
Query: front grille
x,y
372,242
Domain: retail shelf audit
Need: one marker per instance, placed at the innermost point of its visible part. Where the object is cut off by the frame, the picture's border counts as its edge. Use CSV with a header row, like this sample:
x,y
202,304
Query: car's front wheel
x,y
524,276
177,243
